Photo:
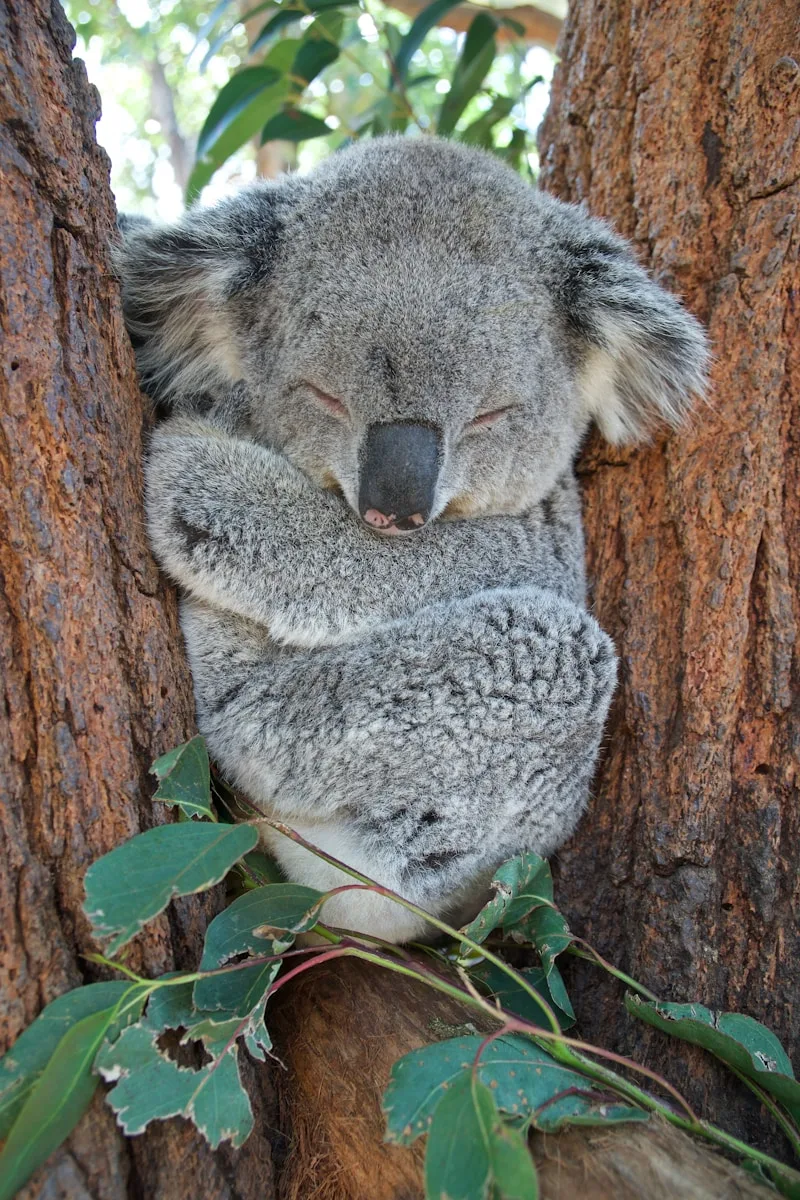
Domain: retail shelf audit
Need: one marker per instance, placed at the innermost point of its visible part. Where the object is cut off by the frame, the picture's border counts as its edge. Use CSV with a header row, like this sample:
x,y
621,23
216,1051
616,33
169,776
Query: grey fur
x,y
421,706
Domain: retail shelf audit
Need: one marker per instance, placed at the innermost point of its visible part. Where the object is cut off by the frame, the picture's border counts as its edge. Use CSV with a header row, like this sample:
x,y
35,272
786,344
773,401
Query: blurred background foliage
x,y
199,97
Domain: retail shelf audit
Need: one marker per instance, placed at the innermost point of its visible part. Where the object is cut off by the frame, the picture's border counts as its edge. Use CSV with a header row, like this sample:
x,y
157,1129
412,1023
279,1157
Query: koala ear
x,y
642,355
179,284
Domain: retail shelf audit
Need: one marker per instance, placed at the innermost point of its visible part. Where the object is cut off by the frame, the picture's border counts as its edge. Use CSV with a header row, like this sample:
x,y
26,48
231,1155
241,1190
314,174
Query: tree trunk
x,y
678,121
94,680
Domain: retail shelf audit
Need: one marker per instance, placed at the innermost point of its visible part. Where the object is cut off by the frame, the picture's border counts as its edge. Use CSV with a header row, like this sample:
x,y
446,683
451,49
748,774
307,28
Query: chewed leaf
x,y
56,1103
525,1082
151,1087
521,1075
258,919
737,1040
132,884
239,995
185,779
33,1049
518,885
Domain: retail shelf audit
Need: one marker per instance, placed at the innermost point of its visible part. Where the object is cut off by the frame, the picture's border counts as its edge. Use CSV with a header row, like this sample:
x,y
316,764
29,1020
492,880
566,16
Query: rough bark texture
x,y
93,677
679,121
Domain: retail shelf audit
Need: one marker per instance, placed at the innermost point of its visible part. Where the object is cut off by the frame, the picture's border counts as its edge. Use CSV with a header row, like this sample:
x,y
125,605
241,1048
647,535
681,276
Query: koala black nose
x,y
399,467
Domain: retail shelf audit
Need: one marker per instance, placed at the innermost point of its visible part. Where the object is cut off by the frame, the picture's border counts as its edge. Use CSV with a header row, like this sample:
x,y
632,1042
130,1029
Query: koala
x,y
375,380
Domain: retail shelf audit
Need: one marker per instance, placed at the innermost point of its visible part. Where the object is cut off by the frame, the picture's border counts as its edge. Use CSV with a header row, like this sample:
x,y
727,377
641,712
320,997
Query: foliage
x,y
474,1097
327,71
315,34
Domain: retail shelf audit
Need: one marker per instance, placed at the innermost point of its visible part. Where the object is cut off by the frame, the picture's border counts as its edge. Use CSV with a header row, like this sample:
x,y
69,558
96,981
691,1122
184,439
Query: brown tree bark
x,y
93,676
680,121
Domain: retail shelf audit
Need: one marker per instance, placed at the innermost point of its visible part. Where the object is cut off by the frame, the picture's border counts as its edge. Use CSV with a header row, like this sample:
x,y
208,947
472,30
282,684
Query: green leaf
x,y
287,15
133,883
185,779
259,919
151,1087
173,1008
237,94
262,869
221,38
513,1169
314,55
513,997
457,1163
519,885
737,1040
244,127
470,71
33,1049
523,1079
479,133
522,1076
240,997
514,152
548,931
293,125
59,1099
470,1149
421,26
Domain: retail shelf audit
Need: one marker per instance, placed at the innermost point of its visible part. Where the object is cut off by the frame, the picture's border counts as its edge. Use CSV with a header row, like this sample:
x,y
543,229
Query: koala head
x,y
415,326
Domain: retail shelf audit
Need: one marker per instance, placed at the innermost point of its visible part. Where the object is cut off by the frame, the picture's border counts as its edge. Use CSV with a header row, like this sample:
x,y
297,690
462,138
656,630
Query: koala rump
x,y
408,341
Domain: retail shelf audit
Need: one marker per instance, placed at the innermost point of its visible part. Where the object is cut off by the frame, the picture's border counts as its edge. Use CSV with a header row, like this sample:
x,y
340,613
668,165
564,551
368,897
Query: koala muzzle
x,y
399,468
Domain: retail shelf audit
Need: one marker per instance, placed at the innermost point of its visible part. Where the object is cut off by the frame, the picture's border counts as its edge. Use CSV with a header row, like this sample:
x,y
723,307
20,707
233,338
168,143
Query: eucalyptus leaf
x,y
236,95
470,71
133,883
513,997
547,930
314,55
255,921
457,1162
262,869
219,41
521,1075
238,996
149,1086
519,885
185,779
23,1065
293,125
56,1103
738,1040
420,27
291,13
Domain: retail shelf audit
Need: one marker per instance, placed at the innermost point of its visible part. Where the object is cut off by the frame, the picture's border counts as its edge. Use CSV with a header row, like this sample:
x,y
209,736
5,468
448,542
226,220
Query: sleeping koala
x,y
378,377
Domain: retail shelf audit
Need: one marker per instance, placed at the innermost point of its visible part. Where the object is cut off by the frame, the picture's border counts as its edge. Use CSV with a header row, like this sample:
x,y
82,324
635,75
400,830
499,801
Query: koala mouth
x,y
392,524
399,470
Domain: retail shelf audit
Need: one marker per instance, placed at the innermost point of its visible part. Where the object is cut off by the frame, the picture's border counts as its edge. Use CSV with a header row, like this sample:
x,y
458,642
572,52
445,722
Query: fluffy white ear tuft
x,y
178,284
642,356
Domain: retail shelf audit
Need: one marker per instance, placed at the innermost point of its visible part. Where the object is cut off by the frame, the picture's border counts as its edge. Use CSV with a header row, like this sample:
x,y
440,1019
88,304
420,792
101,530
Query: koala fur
x,y
426,705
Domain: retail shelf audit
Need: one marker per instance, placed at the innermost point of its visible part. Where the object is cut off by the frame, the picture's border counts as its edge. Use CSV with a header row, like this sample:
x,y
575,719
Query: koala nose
x,y
399,468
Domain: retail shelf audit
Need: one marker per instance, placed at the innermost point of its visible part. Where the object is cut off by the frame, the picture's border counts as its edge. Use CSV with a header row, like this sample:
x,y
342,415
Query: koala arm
x,y
424,752
237,525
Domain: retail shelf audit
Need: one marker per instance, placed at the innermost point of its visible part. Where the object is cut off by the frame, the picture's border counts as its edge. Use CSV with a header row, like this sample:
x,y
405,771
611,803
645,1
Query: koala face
x,y
415,325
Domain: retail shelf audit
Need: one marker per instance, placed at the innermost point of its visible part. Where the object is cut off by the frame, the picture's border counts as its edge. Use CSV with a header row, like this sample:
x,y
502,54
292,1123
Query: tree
x,y
94,680
678,122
